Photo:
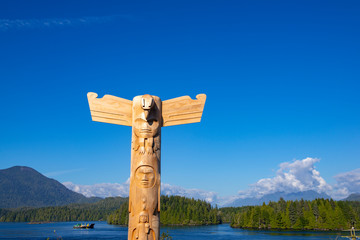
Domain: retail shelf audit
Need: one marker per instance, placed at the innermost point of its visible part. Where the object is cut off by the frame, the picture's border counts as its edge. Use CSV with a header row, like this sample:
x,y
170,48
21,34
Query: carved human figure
x,y
143,230
145,189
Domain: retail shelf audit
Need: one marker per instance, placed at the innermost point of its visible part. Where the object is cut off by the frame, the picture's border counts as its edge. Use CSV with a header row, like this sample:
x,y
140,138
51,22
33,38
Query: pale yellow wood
x,y
146,114
145,176
183,110
110,109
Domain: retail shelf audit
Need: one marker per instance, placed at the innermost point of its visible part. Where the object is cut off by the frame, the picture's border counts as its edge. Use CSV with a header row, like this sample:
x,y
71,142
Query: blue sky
x,y
282,80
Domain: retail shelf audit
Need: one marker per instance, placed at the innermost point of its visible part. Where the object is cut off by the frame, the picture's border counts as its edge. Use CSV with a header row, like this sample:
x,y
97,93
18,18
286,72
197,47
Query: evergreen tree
x,y
319,214
177,211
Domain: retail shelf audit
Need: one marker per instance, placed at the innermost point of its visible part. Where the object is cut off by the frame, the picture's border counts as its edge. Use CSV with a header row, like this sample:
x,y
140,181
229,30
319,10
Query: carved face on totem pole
x,y
143,217
145,176
146,114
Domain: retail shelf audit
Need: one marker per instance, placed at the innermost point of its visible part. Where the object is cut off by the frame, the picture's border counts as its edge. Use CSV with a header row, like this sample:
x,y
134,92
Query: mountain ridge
x,y
353,197
274,197
22,186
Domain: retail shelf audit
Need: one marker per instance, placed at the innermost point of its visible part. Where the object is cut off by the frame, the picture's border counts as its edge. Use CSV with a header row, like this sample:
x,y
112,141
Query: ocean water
x,y
64,230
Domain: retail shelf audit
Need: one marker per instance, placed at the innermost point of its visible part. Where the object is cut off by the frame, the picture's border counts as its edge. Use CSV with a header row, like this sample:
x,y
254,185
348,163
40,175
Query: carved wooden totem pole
x,y
146,114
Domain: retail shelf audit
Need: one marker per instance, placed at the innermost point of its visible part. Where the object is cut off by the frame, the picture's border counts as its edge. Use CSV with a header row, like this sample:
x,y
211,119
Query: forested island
x,y
319,214
73,212
175,210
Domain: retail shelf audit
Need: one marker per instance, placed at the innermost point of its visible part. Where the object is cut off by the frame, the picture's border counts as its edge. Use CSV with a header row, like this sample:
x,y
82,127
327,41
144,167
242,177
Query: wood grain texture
x,y
183,110
110,109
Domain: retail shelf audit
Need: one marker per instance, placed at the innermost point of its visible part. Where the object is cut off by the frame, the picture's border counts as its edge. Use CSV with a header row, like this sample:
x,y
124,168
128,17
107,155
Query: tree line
x,y
74,212
176,210
319,214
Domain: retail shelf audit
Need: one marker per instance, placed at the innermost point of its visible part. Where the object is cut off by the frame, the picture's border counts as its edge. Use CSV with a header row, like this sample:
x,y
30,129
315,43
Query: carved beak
x,y
146,113
147,105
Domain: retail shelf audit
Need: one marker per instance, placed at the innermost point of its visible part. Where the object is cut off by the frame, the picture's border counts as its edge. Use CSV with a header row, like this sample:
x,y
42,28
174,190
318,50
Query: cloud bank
x,y
296,176
211,197
102,190
291,177
347,183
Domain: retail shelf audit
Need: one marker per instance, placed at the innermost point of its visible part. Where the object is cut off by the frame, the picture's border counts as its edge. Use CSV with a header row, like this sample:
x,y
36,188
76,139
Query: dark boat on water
x,y
84,226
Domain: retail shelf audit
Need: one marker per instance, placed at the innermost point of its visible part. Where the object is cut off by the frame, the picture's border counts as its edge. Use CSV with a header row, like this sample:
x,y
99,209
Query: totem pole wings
x,y
183,110
110,109
176,111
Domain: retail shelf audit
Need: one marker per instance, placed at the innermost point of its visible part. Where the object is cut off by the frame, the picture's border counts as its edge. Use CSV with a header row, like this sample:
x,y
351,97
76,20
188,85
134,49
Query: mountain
x,y
353,197
25,187
274,197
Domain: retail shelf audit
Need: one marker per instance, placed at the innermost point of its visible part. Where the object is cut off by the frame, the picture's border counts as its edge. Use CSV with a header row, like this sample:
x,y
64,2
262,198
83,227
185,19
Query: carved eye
x,y
143,102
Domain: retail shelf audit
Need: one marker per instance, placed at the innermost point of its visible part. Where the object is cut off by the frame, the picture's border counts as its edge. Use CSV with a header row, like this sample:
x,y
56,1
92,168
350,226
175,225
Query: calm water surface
x,y
102,230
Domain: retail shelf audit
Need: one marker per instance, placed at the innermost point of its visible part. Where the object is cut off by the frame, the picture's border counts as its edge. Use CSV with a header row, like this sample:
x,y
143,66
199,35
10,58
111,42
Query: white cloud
x,y
296,176
301,175
100,189
291,177
7,24
347,183
116,189
211,197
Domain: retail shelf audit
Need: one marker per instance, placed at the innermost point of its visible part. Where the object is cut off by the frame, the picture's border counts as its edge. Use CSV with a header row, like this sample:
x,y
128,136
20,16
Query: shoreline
x,y
289,229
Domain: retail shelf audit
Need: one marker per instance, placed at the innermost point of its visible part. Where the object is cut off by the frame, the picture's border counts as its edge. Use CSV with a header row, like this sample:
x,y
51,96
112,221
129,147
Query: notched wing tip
x,y
201,96
92,95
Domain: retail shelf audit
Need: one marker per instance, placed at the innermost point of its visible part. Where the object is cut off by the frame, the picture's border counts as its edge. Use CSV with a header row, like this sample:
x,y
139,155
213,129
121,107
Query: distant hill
x,y
274,197
353,197
25,187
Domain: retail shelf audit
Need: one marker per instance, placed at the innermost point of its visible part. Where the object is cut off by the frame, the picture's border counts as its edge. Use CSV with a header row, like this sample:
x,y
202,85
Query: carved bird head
x,y
147,102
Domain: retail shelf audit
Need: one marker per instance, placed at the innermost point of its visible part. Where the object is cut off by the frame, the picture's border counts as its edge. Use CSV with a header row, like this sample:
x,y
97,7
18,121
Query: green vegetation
x,y
165,236
74,212
176,210
185,211
228,213
120,216
319,214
